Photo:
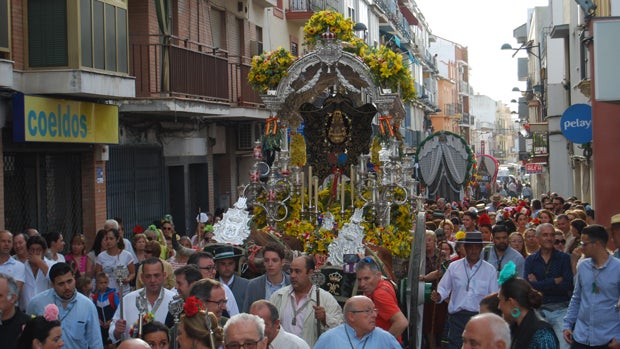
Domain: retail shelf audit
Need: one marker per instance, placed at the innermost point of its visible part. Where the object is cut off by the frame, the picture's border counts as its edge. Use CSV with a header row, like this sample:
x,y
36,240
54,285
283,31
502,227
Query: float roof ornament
x,y
328,65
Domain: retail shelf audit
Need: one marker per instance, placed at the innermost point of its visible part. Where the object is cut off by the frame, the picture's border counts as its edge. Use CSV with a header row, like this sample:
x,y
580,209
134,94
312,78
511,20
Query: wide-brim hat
x,y
615,219
224,251
496,197
474,237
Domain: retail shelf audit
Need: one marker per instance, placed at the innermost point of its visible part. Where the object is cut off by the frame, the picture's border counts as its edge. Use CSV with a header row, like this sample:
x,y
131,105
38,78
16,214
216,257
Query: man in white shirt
x,y
466,282
277,338
298,306
9,265
36,268
157,299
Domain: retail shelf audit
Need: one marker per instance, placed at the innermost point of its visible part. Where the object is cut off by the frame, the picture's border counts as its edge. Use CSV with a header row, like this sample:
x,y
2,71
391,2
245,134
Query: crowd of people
x,y
536,265
503,274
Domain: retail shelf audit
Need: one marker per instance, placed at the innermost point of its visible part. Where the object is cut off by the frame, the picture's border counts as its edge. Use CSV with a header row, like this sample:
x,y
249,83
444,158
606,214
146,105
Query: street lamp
x,y
528,46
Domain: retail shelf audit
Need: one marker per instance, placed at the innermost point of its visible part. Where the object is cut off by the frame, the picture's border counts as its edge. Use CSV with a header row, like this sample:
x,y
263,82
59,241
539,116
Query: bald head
x,y
486,331
134,343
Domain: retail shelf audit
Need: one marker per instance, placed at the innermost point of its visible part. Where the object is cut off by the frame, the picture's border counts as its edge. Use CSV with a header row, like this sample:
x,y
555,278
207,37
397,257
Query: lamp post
x,y
528,46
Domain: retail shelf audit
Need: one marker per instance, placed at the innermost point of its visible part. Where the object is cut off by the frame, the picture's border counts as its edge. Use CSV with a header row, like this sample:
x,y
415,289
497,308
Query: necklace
x,y
296,310
351,343
469,277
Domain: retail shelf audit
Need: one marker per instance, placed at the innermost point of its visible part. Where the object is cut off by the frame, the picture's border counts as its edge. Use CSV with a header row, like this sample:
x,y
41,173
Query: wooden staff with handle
x,y
431,339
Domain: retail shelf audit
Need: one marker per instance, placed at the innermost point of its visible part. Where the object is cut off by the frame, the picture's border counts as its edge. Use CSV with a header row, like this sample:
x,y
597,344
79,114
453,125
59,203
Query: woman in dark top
x,y
517,301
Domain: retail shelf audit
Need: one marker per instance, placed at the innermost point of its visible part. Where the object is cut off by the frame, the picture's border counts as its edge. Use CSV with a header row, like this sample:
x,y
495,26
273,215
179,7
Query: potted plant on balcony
x,y
269,68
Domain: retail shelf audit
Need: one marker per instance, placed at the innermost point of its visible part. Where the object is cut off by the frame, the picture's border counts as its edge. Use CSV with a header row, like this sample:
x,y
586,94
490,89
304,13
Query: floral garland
x,y
396,237
386,66
269,68
320,22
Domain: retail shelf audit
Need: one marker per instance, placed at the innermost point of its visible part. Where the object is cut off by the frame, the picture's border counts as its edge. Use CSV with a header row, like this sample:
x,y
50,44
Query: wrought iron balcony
x,y
181,68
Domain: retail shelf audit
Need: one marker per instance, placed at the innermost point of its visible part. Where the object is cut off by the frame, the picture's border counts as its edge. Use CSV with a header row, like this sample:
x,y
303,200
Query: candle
x,y
309,186
316,194
302,192
342,193
352,186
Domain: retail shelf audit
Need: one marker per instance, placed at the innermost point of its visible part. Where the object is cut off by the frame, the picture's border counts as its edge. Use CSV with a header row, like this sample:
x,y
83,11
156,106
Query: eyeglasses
x,y
245,345
209,268
585,243
219,303
559,242
367,311
166,228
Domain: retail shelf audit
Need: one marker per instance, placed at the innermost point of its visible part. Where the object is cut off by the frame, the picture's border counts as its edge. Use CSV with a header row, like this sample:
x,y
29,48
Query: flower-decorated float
x,y
330,176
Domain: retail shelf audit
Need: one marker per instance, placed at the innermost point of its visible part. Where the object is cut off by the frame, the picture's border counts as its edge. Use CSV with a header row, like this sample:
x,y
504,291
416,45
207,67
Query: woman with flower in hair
x,y
42,332
198,329
517,301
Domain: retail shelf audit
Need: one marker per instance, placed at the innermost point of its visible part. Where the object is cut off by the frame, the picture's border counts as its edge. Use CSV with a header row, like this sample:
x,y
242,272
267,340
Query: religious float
x,y
330,176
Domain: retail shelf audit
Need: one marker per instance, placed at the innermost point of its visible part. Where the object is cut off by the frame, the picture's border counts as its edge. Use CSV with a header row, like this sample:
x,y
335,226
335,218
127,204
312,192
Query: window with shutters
x,y
104,37
5,29
99,41
47,33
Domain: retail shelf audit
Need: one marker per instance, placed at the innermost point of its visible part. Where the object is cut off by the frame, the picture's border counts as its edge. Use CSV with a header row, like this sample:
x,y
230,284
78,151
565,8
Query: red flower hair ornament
x,y
192,306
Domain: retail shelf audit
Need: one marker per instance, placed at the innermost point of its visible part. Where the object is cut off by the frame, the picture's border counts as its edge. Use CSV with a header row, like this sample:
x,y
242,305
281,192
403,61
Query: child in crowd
x,y
78,256
84,285
106,299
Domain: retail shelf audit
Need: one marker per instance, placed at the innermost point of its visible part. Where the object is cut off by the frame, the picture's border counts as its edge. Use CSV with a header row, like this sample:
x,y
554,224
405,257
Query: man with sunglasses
x,y
592,317
359,329
380,291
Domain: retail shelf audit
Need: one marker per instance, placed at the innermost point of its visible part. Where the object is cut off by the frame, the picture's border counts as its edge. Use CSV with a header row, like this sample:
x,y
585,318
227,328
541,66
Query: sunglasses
x,y
559,242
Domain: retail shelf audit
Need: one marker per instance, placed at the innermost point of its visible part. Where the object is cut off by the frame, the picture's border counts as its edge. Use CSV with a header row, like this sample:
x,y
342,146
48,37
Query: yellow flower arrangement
x,y
269,68
388,70
460,235
320,22
298,150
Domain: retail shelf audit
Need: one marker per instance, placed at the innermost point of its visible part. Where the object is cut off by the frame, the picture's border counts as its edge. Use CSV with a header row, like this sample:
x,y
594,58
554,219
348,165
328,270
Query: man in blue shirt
x,y
549,272
592,317
500,253
615,233
78,314
358,330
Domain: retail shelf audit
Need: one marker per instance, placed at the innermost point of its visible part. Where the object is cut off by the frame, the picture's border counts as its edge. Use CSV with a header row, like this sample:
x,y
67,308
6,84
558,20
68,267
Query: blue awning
x,y
412,58
396,40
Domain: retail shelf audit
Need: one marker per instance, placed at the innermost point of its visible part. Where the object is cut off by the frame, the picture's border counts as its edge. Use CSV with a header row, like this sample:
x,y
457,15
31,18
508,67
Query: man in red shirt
x,y
381,292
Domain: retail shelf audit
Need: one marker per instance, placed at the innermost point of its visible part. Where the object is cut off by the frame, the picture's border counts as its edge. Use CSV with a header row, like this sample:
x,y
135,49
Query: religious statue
x,y
234,226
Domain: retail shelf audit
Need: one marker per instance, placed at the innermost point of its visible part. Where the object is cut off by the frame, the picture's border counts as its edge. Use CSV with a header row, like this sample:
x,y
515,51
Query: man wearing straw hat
x,y
466,282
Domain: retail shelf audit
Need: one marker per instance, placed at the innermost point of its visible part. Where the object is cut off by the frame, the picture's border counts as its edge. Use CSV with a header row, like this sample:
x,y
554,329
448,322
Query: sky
x,y
483,26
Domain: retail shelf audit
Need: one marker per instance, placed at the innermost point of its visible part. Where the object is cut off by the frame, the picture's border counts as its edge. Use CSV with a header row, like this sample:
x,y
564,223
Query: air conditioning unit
x,y
248,133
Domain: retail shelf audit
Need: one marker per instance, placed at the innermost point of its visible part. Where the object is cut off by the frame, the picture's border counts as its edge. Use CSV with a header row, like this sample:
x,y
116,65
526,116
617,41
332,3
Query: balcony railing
x,y
190,70
311,5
